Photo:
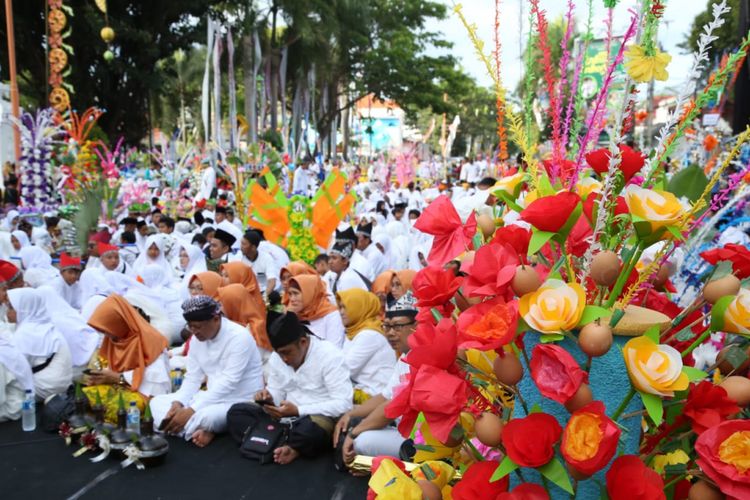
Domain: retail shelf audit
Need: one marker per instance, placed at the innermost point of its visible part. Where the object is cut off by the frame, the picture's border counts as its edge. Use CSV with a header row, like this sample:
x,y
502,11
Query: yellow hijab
x,y
362,309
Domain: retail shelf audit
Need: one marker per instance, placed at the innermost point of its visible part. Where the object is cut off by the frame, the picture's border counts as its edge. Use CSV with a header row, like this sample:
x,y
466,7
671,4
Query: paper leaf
x,y
722,269
436,314
684,335
653,406
536,408
676,233
653,334
538,239
592,313
735,356
548,339
718,311
555,472
694,374
616,317
506,467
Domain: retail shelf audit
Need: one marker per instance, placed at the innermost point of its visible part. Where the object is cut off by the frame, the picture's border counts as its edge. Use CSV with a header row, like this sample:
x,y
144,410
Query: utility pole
x,y
13,76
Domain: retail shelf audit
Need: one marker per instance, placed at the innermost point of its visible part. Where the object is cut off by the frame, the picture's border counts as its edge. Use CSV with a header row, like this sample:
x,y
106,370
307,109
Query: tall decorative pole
x,y
15,108
59,98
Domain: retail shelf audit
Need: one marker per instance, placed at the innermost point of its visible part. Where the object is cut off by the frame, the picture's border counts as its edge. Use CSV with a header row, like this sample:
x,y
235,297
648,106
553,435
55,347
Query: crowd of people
x,y
258,337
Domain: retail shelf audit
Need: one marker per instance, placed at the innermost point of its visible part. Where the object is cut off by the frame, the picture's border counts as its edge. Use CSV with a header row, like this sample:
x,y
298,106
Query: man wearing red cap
x,y
10,277
109,256
66,285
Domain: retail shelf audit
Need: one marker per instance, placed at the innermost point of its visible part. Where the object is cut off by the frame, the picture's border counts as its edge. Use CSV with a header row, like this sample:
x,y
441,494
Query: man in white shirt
x,y
67,284
225,356
365,429
372,254
302,180
339,260
261,262
308,383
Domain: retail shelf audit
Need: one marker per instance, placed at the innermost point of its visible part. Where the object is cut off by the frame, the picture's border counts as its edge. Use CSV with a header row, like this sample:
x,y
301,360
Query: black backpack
x,y
261,438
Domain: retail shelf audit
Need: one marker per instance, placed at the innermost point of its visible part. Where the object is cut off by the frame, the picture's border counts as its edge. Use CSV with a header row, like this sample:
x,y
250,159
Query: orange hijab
x,y
138,343
315,303
211,282
239,306
382,283
297,267
242,274
405,276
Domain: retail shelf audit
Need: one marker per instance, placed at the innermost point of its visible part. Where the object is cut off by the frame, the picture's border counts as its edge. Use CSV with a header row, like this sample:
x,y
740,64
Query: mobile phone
x,y
164,424
265,402
87,371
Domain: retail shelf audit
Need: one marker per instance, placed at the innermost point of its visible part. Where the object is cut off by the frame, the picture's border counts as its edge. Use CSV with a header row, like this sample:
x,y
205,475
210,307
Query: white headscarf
x,y
81,338
13,360
196,264
143,259
35,334
8,221
382,238
22,238
93,283
37,266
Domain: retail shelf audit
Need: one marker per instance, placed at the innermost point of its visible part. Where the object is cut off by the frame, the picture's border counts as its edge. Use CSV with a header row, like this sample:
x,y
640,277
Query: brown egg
x,y
662,275
726,367
580,399
605,268
508,369
716,289
525,281
595,339
488,428
430,491
738,389
577,475
486,225
704,491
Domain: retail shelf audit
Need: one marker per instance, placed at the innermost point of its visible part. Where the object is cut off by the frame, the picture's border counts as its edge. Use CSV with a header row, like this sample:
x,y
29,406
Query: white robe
x,y
71,294
231,364
370,360
330,328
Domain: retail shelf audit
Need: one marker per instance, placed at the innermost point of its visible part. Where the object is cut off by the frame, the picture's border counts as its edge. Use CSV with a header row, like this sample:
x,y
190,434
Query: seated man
x,y
308,382
368,431
221,352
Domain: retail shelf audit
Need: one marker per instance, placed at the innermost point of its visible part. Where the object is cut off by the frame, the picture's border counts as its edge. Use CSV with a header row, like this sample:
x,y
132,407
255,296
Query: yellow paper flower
x,y
735,450
659,208
508,184
391,483
676,457
654,368
588,185
554,307
737,315
643,67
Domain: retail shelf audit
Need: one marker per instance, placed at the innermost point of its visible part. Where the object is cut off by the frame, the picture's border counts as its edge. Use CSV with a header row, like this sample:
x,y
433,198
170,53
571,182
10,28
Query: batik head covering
x,y
200,308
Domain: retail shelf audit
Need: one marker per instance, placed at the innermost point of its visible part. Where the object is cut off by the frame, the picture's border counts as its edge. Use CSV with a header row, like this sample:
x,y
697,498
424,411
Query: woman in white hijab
x,y
192,261
15,379
94,289
39,341
18,241
81,338
153,254
9,223
37,266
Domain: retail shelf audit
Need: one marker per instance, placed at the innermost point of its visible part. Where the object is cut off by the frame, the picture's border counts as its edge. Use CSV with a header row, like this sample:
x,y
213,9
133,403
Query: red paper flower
x,y
433,345
525,491
452,238
475,483
722,456
488,325
578,240
492,271
708,405
555,372
529,441
632,161
738,255
515,236
551,213
564,168
437,394
434,286
630,479
591,206
590,439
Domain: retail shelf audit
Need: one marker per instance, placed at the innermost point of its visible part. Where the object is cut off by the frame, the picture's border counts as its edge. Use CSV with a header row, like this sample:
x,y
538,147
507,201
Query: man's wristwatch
x,y
122,380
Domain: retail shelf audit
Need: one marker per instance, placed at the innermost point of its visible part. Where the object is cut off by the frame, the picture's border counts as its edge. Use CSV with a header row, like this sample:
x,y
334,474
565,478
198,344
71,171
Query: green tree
x,y
728,35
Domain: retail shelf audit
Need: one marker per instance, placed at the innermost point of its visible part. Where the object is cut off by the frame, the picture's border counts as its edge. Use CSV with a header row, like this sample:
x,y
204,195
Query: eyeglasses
x,y
395,326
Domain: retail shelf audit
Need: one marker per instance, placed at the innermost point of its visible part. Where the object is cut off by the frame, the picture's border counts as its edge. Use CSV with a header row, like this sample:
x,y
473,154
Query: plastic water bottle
x,y
28,412
177,375
134,418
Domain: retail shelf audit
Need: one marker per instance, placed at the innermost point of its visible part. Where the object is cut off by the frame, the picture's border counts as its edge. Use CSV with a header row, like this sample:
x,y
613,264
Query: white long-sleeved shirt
x,y
397,378
320,386
330,328
70,293
348,279
376,259
370,360
156,379
231,363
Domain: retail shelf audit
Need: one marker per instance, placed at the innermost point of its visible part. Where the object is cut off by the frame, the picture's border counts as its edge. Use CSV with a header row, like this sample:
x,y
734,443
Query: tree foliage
x,y
728,35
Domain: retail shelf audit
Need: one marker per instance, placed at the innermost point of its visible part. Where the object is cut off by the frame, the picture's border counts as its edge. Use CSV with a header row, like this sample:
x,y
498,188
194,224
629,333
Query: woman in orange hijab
x,y
239,306
205,283
390,286
133,354
241,274
308,299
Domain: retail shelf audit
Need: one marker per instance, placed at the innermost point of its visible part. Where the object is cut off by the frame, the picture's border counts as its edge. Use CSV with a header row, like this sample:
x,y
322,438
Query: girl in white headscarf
x,y
18,241
154,253
94,289
192,261
15,379
81,338
37,266
39,341
9,223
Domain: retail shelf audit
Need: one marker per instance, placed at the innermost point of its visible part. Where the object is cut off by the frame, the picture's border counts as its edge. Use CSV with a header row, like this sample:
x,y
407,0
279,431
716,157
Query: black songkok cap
x,y
365,230
224,236
286,329
129,220
200,308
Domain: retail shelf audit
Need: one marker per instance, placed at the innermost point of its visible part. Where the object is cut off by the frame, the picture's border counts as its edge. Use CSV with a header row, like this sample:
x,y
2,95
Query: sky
x,y
677,20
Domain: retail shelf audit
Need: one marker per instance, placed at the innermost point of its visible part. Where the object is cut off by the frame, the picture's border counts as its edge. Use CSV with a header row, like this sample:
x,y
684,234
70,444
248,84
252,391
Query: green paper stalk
x,y
623,278
624,404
